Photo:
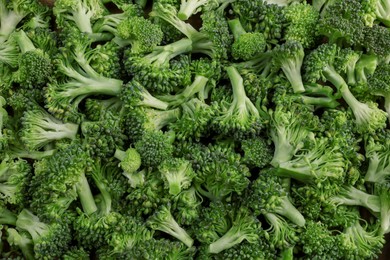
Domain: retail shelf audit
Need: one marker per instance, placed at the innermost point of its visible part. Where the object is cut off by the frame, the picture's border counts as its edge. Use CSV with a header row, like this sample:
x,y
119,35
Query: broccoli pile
x,y
194,129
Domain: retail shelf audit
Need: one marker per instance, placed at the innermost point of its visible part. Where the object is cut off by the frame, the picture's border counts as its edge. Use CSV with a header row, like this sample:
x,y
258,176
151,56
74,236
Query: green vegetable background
x,y
194,129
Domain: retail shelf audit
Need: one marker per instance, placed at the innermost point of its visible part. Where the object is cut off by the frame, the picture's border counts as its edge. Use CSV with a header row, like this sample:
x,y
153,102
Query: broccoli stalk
x,y
40,128
244,227
282,233
9,52
7,217
20,240
85,195
289,57
189,7
352,196
377,152
163,220
130,162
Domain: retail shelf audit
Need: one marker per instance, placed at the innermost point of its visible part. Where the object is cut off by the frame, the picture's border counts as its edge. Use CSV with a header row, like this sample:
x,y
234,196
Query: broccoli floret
x,y
320,64
13,12
154,147
39,128
377,153
80,15
244,227
130,162
315,163
257,152
343,23
163,220
187,206
289,57
282,234
246,45
241,116
50,240
140,33
177,174
96,108
302,19
379,84
267,195
21,240
10,53
191,7
376,39
365,67
15,176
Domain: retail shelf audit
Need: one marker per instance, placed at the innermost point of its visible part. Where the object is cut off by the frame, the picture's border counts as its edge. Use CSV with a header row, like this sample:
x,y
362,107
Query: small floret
x,y
177,174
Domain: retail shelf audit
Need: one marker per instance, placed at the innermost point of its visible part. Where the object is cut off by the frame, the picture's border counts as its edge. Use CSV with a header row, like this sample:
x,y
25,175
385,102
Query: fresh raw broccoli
x,y
22,241
376,39
80,15
365,67
15,176
342,22
244,226
378,155
282,234
140,33
50,240
163,220
96,108
267,195
302,19
321,64
315,163
155,147
10,53
39,128
177,174
379,84
191,7
246,45
240,116
98,143
289,57
257,152
130,162
106,60
13,12
187,206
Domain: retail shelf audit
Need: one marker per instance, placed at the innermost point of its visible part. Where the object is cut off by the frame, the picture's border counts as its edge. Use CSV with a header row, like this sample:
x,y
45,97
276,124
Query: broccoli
x,y
163,220
246,44
320,64
39,128
379,84
130,162
377,153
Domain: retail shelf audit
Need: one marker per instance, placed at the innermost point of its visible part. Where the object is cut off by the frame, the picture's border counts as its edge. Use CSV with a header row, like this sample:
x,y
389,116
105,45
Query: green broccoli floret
x,y
15,176
379,84
267,195
241,116
376,39
315,163
80,15
163,220
257,152
34,67
365,67
246,45
244,227
320,64
76,253
13,12
39,128
177,174
10,53
302,19
282,234
191,7
154,147
289,57
96,108
130,162
342,22
22,241
187,206
378,155
350,195
377,10
106,60
50,240
140,33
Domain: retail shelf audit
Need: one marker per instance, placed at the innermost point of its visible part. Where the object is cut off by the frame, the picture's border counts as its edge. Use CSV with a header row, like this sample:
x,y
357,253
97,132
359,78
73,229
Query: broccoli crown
x,y
257,152
141,33
302,19
379,82
375,39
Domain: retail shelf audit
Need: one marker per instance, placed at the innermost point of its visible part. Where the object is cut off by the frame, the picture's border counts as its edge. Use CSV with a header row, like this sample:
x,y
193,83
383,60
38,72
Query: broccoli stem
x,y
8,23
320,101
355,197
82,18
150,101
24,243
86,198
28,221
16,152
135,179
292,70
236,28
231,238
288,210
372,174
25,44
120,155
163,54
7,217
189,7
